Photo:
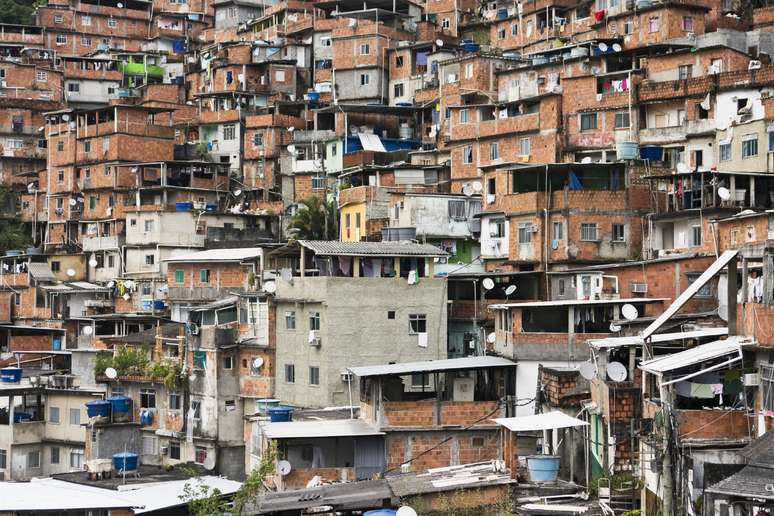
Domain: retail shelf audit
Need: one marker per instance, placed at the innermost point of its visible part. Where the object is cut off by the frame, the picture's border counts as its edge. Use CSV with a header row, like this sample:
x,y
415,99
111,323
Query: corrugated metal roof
x,y
751,481
310,429
431,366
41,271
75,286
634,340
697,355
397,248
545,421
578,302
165,495
217,255
49,494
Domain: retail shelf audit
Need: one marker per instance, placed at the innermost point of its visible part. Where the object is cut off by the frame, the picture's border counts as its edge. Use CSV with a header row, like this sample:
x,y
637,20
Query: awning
x,y
731,347
317,429
546,421
634,340
371,142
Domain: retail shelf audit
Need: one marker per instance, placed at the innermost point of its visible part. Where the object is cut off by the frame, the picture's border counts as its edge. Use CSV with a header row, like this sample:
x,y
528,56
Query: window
x,y
589,232
53,415
58,18
457,210
318,182
33,460
684,72
771,141
179,276
147,398
750,146
41,76
497,228
86,41
417,324
200,455
391,314
767,393
150,259
61,39
76,459
696,237
705,290
200,359
469,71
365,79
112,23
463,116
174,400
558,231
326,41
494,152
148,226
60,177
500,33
654,24
55,455
619,233
622,120
314,321
85,20
3,459
229,132
56,266
258,140
588,121
525,233
467,154
174,450
419,380
75,416
228,362
524,146
73,87
204,275
688,23
445,23
290,320
60,146
725,151
365,49
514,29
398,90
290,373
314,375
279,75
398,61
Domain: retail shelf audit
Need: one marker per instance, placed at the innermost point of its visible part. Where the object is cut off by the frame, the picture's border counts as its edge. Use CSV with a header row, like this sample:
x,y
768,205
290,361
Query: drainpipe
x,y
731,291
545,234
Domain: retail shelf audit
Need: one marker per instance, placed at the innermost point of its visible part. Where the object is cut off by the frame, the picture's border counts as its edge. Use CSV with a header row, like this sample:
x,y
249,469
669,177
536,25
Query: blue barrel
x,y
125,461
543,468
56,344
652,152
280,414
10,374
183,206
98,408
502,13
21,417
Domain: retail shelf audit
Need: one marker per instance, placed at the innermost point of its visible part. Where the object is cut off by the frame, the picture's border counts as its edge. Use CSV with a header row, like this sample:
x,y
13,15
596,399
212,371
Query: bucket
x,y
280,414
543,468
626,150
125,461
10,374
98,408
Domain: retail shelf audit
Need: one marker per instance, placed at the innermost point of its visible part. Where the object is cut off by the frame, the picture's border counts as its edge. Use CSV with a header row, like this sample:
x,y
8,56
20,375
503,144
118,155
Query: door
x,y
369,457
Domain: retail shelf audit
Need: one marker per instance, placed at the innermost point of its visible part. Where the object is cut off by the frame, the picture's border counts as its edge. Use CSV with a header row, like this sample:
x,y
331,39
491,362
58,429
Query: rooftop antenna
x,y
270,287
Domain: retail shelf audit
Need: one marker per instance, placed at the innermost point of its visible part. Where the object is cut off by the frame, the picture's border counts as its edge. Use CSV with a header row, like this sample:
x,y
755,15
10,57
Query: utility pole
x,y
666,465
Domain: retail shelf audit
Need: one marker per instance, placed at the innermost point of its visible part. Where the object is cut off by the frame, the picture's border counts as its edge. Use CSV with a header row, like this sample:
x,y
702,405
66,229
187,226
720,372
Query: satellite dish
x,y
588,370
488,283
467,190
127,297
66,117
87,330
586,160
616,371
510,290
111,373
237,192
614,327
283,467
135,169
617,47
491,338
439,42
291,129
478,187
31,188
209,462
92,262
120,5
270,287
70,273
629,312
682,168
724,193
257,362
603,47
292,148
406,511
72,202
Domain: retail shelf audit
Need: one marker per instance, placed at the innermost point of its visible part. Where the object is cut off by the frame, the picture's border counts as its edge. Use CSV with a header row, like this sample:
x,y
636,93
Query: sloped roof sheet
x,y
697,355
41,271
330,428
217,255
430,366
375,249
545,421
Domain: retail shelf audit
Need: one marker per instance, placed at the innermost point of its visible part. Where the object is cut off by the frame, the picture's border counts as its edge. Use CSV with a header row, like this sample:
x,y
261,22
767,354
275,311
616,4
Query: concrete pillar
x,y
570,331
731,293
745,293
356,267
397,267
430,267
303,262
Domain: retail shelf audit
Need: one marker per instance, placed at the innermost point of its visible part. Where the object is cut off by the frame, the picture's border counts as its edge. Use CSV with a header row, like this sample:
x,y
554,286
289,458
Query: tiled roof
x,y
397,248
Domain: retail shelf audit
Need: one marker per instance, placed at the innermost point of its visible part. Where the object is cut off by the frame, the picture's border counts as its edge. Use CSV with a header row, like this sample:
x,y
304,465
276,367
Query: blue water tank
x,y
146,418
652,152
56,344
381,512
10,374
158,304
543,468
125,461
280,414
183,206
502,13
21,417
120,404
98,408
313,96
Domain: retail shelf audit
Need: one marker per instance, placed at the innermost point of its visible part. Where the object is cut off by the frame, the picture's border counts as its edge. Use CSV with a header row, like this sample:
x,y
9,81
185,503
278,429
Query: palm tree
x,y
309,222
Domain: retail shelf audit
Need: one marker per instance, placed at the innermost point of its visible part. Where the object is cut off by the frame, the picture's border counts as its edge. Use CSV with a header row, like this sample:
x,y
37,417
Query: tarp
x,y
546,421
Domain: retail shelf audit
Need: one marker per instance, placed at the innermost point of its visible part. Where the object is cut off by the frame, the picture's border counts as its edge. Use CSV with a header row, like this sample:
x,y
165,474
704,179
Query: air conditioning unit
x,y
164,450
533,228
346,376
639,288
754,65
752,379
314,338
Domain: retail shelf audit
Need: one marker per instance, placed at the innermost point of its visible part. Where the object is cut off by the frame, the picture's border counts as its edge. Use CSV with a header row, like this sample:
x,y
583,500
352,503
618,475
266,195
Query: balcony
x,y
100,243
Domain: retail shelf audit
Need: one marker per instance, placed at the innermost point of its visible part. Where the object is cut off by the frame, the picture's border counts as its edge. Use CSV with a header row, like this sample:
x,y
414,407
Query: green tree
x,y
18,11
309,221
13,234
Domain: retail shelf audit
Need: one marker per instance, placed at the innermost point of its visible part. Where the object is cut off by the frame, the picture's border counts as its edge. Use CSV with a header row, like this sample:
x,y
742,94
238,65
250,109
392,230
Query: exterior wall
x,y
376,340
462,447
763,161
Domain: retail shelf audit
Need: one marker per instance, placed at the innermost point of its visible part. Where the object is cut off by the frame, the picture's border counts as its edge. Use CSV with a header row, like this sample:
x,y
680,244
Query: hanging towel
x,y
705,104
422,340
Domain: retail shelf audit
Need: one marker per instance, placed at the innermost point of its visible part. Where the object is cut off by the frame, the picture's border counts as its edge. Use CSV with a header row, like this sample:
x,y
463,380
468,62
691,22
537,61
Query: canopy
x,y
546,421
697,355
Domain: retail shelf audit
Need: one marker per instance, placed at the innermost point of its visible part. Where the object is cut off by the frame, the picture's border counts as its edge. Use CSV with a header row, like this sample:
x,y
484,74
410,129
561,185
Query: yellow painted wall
x,y
352,211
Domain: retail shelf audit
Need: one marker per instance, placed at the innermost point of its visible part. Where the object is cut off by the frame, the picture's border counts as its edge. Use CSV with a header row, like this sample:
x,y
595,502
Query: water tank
x,y
652,152
543,468
125,461
183,206
10,374
56,344
406,132
98,408
263,405
626,150
21,417
280,414
121,407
